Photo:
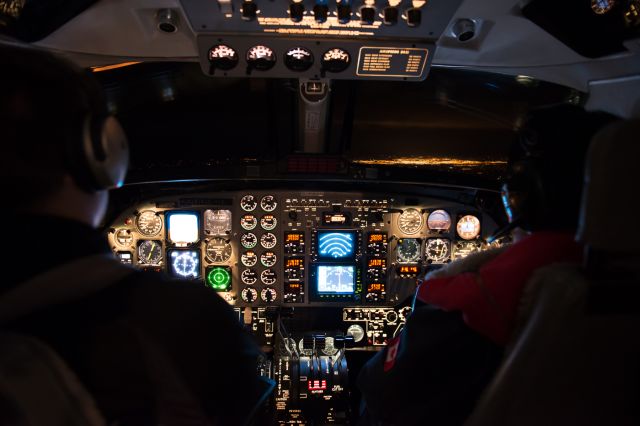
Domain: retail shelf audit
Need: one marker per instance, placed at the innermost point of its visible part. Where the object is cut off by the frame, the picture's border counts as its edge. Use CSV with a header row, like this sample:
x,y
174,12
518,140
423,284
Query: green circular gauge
x,y
219,278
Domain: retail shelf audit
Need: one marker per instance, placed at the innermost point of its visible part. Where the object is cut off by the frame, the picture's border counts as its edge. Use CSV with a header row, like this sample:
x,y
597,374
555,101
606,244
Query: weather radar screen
x,y
336,244
183,227
336,279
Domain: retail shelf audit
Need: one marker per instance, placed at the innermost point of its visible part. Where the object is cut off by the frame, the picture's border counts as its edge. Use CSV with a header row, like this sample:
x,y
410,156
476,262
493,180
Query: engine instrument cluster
x,y
298,249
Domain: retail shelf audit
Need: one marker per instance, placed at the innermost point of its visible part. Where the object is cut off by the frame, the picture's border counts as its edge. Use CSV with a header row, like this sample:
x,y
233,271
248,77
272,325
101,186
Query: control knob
x,y
296,11
321,10
249,10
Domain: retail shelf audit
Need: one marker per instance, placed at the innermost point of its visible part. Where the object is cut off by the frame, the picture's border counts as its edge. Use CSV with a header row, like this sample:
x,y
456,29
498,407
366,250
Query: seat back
x,y
38,389
576,359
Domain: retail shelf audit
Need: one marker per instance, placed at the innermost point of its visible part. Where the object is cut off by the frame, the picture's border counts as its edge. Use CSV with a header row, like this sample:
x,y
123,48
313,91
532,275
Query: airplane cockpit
x,y
310,161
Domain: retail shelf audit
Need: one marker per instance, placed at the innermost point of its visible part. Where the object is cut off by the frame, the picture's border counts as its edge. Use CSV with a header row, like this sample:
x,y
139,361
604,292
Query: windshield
x,y
458,123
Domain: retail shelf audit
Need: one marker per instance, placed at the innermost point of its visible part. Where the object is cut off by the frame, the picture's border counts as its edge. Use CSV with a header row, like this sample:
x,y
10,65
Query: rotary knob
x,y
296,11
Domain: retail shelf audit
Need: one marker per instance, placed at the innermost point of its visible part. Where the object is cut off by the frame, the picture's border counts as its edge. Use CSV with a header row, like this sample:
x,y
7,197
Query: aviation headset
x,y
96,151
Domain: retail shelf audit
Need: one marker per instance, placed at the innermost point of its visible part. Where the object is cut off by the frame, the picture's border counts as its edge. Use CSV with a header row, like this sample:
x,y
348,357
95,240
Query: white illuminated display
x,y
336,279
185,264
183,228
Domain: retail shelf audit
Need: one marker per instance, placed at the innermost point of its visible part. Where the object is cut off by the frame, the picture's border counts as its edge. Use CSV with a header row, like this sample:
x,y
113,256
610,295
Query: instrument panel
x,y
286,248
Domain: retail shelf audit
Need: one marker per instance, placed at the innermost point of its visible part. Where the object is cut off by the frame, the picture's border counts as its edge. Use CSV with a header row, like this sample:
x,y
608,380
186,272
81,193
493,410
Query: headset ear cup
x,y
106,153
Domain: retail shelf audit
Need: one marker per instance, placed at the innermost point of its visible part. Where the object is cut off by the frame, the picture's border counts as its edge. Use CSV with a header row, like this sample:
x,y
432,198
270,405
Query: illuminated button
x,y
414,17
298,59
219,278
296,11
390,15
222,57
335,60
249,10
367,15
344,12
320,11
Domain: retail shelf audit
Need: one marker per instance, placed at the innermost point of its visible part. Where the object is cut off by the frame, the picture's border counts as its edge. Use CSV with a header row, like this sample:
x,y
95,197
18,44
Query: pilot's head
x,y
544,182
60,149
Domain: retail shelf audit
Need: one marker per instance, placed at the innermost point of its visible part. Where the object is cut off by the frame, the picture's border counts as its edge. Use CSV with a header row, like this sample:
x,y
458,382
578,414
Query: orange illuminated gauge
x,y
468,227
248,222
600,7
268,222
410,221
439,220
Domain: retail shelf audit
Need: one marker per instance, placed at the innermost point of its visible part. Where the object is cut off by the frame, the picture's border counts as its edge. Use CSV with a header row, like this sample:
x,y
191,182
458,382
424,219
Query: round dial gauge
x,y
268,240
248,222
149,223
123,237
217,222
463,249
404,313
248,203
150,253
218,250
439,220
261,58
600,7
249,294
223,57
437,250
410,221
468,227
335,60
249,258
268,203
298,59
408,250
268,294
249,240
249,276
268,259
268,222
185,264
268,277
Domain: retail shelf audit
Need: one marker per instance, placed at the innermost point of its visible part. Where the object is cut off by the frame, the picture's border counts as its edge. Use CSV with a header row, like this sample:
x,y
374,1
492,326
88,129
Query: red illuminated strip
x,y
315,385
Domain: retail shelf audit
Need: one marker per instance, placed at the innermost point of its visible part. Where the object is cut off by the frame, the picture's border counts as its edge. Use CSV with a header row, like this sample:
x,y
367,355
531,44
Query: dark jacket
x,y
137,336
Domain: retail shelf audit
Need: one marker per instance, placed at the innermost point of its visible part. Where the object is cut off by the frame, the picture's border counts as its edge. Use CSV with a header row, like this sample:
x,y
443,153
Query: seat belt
x,y
66,283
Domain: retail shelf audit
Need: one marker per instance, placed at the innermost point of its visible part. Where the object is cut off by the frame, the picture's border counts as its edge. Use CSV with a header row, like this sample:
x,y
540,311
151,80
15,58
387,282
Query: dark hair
x,y
547,162
43,104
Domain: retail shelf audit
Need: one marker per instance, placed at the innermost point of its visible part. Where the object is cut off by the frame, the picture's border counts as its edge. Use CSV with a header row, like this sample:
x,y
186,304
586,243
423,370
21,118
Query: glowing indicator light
x,y
336,244
185,263
317,385
219,279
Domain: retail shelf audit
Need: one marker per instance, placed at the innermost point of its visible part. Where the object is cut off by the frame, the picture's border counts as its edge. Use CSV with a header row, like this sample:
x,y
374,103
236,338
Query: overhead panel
x,y
312,39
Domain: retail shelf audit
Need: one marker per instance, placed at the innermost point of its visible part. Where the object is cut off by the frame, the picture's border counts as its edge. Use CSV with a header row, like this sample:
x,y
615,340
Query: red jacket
x,y
489,298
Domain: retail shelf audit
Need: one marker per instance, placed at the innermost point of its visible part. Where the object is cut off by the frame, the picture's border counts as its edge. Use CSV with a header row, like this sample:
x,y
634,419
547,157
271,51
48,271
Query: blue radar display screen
x,y
336,244
185,263
183,227
336,279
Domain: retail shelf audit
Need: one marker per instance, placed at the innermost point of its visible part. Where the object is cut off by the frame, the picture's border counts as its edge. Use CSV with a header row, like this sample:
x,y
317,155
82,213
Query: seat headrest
x,y
611,182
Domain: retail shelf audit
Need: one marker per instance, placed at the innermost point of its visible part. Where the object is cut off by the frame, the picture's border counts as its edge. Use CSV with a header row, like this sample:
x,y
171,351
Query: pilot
x,y
466,313
150,350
